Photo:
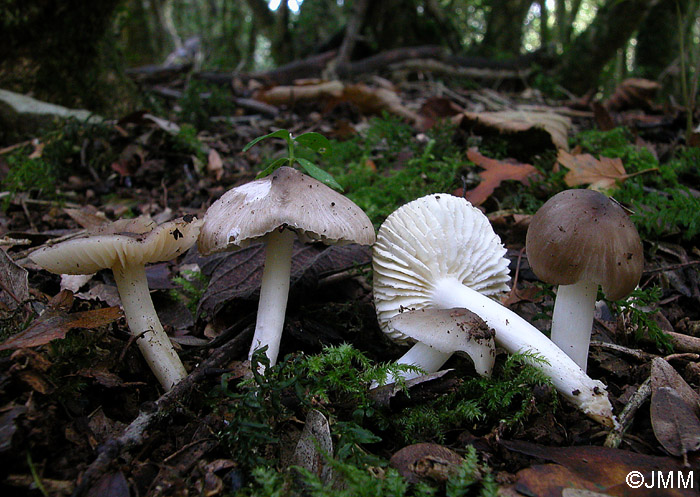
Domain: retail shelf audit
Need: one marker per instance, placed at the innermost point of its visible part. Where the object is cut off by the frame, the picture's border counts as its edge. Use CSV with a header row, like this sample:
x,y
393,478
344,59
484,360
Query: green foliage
x,y
639,307
192,285
670,211
187,142
68,149
507,397
468,475
385,167
616,143
471,478
339,375
661,203
315,142
28,175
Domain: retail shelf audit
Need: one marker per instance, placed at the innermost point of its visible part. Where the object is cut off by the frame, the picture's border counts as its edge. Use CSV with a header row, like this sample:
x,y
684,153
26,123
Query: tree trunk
x,y
614,24
352,30
545,37
63,52
658,41
504,27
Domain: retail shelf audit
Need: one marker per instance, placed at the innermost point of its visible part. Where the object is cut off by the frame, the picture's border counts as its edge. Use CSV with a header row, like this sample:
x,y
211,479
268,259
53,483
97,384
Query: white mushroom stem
x,y
274,292
516,335
428,358
144,324
572,319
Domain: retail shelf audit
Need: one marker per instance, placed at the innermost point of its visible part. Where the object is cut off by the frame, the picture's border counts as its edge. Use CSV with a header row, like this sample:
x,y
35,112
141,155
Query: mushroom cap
x,y
584,235
125,242
286,198
449,331
434,237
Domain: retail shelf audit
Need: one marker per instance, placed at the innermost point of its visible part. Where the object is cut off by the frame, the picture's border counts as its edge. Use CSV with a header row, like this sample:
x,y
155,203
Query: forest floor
x,y
72,381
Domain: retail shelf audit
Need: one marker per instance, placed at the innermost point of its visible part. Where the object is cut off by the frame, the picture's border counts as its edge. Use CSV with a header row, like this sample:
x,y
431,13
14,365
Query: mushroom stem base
x,y
143,322
425,357
572,319
274,291
516,335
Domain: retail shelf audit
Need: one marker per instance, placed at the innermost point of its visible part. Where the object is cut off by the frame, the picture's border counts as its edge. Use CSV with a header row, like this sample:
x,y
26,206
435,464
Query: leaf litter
x,y
185,447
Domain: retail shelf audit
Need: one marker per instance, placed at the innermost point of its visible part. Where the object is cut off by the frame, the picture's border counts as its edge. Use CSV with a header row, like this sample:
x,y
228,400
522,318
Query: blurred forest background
x,y
76,52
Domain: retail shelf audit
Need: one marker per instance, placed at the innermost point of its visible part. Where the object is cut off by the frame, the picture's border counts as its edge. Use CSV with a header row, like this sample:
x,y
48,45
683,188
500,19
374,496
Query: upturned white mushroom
x,y
277,209
125,247
439,333
577,240
440,251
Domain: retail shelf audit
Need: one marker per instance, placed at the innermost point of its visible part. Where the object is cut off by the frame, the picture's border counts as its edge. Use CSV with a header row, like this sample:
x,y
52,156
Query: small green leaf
x,y
280,133
315,141
272,166
316,172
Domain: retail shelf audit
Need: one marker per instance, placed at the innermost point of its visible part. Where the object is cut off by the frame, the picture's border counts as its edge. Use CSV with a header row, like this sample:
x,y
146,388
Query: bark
x,y
564,21
545,37
62,52
452,36
504,27
400,23
142,45
614,24
351,32
658,41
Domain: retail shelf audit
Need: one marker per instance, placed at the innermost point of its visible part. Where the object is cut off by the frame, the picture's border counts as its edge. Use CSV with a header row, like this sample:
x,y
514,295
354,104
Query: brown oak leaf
x,y
494,172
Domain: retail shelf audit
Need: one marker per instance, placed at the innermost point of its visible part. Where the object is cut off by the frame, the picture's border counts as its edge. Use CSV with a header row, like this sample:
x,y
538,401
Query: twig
x,y
637,354
135,434
685,356
6,150
627,415
672,267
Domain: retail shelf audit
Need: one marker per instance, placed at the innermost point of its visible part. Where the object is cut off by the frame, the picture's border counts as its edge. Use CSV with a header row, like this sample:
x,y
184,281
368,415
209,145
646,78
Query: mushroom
x,y
125,247
440,251
439,333
580,239
277,209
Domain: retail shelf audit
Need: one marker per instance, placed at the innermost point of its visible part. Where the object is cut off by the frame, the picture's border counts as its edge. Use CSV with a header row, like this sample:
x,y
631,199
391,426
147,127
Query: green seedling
x,y
313,141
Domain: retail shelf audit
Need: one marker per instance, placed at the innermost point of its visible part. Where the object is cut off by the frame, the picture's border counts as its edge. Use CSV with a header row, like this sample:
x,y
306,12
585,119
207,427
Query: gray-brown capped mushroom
x,y
580,239
277,209
125,247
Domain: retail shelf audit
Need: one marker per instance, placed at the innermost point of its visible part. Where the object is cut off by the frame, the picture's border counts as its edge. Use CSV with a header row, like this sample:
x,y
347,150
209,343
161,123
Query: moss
x,y
386,167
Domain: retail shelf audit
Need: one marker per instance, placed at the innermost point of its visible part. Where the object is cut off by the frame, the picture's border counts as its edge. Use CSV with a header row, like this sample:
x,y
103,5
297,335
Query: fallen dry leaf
x,y
215,166
664,375
315,446
375,100
237,275
601,174
527,123
111,484
633,93
597,469
584,169
14,285
494,172
53,325
675,425
426,461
